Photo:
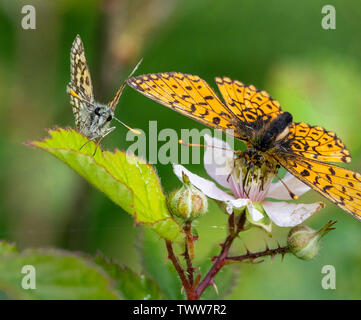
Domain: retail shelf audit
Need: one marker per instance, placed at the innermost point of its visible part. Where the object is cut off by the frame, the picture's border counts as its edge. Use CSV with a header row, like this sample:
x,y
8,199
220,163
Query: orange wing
x,y
246,102
316,143
189,95
250,105
339,185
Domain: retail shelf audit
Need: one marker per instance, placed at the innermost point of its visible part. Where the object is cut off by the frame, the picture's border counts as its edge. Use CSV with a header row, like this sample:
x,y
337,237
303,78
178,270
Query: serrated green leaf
x,y
58,275
131,285
125,179
7,248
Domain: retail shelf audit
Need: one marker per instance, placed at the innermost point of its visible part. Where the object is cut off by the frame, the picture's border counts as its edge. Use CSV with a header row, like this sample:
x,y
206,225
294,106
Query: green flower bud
x,y
304,242
188,203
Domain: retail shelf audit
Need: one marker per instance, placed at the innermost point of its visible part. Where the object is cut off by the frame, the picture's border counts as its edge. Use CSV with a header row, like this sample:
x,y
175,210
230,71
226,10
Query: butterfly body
x,y
271,136
95,124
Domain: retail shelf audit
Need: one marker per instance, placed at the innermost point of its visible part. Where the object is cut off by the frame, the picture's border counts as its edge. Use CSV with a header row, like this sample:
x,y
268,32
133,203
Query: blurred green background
x,y
278,46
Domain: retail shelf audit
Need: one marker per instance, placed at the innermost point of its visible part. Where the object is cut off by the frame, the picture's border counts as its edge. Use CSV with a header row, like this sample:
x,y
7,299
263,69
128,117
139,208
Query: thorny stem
x,y
218,264
189,251
254,255
186,285
235,226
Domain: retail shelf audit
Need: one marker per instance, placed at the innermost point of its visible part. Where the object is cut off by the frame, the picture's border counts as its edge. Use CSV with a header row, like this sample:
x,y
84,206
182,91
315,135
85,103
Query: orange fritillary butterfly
x,y
258,120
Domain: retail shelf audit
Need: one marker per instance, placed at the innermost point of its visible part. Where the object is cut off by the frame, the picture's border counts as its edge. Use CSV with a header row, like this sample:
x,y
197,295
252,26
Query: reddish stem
x,y
189,251
268,252
234,228
218,264
186,285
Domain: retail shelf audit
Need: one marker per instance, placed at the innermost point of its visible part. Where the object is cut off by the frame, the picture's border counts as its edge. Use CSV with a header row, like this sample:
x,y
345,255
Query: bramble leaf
x,y
126,179
131,285
58,275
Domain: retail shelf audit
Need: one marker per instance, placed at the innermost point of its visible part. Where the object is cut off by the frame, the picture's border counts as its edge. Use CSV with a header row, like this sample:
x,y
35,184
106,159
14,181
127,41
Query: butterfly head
x,y
102,115
276,130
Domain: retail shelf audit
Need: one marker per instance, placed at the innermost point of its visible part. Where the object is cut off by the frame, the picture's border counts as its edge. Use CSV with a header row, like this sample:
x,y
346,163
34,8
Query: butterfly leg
x,y
292,195
229,177
85,144
101,138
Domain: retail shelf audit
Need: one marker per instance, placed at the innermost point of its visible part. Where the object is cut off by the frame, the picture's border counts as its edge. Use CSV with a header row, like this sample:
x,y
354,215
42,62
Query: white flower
x,y
247,190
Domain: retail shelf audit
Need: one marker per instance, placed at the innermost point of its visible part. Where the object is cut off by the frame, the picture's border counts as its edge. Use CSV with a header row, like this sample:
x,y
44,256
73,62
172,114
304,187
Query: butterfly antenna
x,y
203,145
292,195
135,69
129,128
130,75
114,102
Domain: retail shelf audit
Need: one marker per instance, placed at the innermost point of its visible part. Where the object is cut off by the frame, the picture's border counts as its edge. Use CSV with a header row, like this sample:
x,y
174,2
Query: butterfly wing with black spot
x,y
251,105
302,151
80,83
339,185
315,142
189,95
247,103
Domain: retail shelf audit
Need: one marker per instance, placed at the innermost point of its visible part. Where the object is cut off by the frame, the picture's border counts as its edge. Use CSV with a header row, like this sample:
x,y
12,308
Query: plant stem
x,y
235,226
218,264
186,285
234,229
189,251
268,252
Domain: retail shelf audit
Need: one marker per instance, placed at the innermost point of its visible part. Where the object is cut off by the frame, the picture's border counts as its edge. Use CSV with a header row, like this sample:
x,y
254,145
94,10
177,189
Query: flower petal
x,y
286,214
278,191
218,162
209,188
255,213
237,203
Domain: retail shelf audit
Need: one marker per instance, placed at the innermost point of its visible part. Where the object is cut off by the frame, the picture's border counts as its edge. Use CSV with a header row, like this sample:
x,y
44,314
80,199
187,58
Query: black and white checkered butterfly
x,y
91,118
